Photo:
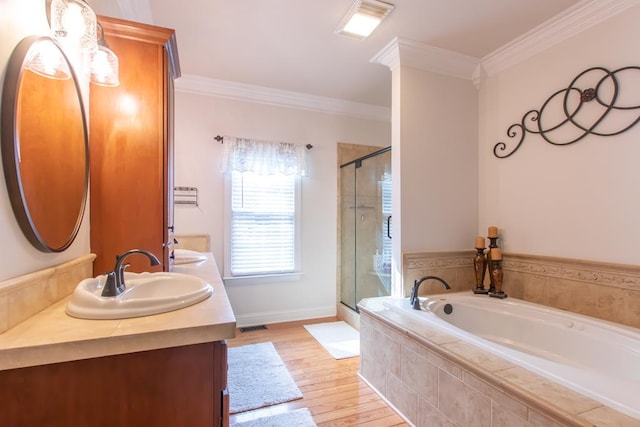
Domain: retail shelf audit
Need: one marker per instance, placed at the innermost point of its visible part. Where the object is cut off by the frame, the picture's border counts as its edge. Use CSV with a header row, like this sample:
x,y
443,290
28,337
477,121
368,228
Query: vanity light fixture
x,y
73,24
363,17
104,65
46,59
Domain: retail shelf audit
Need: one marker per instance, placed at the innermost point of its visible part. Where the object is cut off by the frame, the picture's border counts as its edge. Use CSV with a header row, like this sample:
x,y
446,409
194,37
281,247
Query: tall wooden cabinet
x,y
131,148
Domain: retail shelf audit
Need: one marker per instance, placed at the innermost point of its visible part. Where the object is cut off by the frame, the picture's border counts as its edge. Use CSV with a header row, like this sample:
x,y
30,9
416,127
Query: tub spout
x,y
413,299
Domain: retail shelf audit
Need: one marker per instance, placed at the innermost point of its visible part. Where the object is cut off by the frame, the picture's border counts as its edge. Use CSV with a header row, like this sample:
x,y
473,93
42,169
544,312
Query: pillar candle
x,y
480,242
496,254
493,232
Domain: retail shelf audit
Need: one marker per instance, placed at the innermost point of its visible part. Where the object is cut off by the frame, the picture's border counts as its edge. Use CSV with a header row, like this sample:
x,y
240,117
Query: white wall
x,y
18,19
199,119
438,158
577,201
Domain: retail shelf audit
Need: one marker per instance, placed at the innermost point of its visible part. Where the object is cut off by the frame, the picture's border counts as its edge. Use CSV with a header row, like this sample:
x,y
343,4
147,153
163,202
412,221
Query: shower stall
x,y
365,228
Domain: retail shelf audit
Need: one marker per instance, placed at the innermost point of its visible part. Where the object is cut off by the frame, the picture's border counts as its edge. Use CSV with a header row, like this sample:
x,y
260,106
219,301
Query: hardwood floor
x,y
332,390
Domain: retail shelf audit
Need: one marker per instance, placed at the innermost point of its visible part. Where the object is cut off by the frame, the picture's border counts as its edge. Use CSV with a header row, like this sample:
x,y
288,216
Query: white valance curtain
x,y
263,157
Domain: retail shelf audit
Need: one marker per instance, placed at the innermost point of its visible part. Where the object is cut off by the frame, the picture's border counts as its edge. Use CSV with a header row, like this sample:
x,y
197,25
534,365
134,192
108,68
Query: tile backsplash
x,y
194,242
602,290
23,296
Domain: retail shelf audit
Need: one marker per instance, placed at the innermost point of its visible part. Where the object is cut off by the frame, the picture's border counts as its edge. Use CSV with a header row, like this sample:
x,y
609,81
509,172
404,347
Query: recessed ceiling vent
x,y
363,17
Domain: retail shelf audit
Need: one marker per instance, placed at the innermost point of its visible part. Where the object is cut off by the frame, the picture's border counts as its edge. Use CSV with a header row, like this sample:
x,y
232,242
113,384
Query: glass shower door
x,y
366,234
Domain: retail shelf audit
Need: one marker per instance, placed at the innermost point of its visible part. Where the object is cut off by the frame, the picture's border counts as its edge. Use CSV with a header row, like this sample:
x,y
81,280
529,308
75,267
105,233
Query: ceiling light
x,y
363,17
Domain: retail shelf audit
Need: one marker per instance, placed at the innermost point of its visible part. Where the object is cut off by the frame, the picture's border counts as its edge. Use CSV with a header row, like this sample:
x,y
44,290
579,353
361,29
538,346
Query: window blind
x,y
386,186
263,221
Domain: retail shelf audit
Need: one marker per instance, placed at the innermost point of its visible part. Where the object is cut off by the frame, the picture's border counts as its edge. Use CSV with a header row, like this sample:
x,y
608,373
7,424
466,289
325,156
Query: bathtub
x,y
596,358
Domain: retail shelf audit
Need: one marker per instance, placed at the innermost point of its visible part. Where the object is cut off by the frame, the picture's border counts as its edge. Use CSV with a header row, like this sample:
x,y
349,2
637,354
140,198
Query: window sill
x,y
267,278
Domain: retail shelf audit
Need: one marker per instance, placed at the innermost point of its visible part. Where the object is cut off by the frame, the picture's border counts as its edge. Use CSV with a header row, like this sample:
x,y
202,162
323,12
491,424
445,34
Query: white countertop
x,y
51,336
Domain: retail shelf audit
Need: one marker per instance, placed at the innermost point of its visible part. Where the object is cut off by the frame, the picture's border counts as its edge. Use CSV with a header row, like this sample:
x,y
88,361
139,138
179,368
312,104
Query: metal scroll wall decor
x,y
591,105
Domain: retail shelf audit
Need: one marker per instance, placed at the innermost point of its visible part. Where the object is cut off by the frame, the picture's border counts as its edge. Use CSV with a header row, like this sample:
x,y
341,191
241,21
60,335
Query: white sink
x,y
145,294
185,256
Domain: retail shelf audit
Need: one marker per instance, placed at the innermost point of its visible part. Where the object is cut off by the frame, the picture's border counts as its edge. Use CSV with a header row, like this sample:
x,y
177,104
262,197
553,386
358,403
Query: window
x,y
263,225
262,212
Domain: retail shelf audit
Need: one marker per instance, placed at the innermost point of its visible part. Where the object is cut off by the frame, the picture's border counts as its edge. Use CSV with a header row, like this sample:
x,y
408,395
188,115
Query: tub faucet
x,y
414,300
114,285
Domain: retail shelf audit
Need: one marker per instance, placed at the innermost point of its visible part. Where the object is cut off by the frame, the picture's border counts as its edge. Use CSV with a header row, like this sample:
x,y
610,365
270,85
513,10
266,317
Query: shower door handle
x,y
389,226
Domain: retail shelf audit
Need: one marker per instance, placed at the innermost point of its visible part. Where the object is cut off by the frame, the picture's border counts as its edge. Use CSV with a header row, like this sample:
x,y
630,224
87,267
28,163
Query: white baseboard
x,y
253,319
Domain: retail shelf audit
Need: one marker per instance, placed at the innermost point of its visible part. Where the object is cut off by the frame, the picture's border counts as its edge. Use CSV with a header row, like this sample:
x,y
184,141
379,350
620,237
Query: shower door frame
x,y
357,163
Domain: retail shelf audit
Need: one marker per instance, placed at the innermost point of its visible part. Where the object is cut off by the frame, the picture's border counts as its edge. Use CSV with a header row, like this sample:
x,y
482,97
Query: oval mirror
x,y
45,147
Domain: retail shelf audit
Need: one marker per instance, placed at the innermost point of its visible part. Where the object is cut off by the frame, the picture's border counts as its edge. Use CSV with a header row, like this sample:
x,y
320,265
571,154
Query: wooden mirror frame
x,y
10,146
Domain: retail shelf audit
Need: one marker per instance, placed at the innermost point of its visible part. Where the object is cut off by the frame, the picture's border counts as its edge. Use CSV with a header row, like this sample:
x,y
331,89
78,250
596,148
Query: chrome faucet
x,y
413,299
114,285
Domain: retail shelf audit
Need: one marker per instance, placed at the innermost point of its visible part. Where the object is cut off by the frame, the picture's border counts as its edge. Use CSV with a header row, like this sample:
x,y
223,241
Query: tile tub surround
x,y
434,379
602,290
455,267
23,296
51,336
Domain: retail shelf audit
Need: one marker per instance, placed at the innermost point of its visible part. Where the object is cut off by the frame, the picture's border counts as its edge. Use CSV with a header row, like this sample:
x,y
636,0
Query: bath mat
x,y
338,338
257,377
298,418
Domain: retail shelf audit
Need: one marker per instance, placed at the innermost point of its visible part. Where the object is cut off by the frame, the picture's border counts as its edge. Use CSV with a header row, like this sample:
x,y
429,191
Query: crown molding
x,y
282,98
425,57
572,21
388,55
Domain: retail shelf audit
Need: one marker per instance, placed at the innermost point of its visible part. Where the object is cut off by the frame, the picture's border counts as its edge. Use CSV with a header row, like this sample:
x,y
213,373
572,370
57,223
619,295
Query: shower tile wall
x,y
373,268
367,221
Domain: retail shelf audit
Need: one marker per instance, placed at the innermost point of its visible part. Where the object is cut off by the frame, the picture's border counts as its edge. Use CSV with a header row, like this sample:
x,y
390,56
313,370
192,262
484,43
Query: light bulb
x,y
73,22
362,24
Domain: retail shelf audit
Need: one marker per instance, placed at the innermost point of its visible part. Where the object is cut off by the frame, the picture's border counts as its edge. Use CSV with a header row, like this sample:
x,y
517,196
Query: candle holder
x,y
497,275
480,267
493,243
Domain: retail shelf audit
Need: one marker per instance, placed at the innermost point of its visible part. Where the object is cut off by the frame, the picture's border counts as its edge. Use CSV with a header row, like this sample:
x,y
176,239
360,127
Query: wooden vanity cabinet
x,y
171,387
131,148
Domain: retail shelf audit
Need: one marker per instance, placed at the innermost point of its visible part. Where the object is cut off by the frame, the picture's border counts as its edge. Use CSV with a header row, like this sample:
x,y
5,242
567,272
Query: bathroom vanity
x,y
168,369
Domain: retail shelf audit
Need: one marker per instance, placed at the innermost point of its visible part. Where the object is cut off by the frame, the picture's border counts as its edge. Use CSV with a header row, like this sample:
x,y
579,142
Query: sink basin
x,y
185,256
146,294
